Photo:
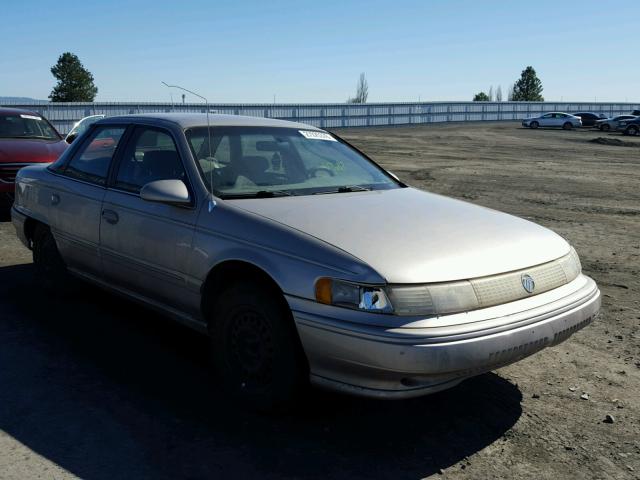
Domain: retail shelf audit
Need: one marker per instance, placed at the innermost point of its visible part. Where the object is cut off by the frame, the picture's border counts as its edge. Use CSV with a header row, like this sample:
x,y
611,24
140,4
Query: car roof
x,y
17,111
189,120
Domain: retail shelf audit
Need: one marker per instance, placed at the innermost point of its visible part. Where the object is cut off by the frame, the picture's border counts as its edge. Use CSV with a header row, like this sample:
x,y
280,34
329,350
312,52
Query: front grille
x,y
8,171
507,287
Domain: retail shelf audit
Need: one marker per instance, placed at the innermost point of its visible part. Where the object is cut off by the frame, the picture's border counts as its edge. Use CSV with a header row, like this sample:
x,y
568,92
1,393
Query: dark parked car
x,y
589,119
636,113
26,138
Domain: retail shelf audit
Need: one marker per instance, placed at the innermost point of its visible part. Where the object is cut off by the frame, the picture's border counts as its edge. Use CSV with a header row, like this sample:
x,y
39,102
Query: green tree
x,y
528,88
75,83
481,97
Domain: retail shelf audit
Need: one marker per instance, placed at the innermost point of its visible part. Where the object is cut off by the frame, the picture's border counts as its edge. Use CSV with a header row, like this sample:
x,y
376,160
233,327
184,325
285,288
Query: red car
x,y
25,138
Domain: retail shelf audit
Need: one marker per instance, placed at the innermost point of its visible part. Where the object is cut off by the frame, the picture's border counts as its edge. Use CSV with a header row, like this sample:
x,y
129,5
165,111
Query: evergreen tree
x,y
481,97
528,88
75,83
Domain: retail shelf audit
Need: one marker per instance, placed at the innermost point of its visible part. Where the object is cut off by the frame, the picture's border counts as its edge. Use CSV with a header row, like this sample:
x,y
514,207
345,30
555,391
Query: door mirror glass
x,y
172,192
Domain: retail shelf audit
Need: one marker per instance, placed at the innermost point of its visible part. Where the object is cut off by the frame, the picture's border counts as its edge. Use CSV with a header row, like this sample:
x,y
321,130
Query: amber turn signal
x,y
323,291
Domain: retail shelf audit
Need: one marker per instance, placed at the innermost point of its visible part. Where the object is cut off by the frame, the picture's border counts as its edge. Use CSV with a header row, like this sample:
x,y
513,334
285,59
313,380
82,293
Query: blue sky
x,y
314,51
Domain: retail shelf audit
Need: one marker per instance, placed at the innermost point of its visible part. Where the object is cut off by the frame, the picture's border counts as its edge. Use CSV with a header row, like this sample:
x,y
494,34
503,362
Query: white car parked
x,y
553,119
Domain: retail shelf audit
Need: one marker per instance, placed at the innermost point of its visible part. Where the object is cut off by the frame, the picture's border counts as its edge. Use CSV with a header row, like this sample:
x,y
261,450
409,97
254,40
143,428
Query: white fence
x,y
337,115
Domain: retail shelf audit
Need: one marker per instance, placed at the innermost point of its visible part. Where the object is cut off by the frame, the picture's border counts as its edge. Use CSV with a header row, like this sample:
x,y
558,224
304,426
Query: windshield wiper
x,y
345,189
31,136
259,194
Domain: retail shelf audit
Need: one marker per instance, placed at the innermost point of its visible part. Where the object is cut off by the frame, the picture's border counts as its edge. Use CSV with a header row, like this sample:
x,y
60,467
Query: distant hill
x,y
19,100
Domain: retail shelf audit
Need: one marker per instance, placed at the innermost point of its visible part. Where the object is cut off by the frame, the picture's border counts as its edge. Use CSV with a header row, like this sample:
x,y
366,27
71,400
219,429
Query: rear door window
x,y
91,162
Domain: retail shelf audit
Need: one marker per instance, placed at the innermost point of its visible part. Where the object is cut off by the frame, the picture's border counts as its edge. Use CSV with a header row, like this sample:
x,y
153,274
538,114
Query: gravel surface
x,y
92,386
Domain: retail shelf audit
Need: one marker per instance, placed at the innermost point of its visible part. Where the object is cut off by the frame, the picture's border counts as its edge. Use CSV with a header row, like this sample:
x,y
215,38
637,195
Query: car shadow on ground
x,y
107,390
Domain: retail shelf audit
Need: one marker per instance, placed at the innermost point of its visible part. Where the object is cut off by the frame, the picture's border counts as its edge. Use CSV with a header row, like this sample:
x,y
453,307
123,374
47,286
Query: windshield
x,y
246,162
26,126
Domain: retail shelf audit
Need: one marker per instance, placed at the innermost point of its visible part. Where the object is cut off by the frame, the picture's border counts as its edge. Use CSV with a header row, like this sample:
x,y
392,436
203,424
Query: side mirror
x,y
71,137
171,192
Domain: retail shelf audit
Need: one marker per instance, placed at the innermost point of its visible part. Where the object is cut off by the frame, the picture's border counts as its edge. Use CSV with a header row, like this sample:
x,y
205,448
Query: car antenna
x,y
212,202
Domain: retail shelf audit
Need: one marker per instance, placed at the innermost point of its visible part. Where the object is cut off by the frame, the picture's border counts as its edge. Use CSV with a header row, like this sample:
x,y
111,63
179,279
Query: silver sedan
x,y
562,120
302,259
612,123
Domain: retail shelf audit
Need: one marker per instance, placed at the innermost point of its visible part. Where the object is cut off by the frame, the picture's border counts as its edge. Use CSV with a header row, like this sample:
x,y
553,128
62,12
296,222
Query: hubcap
x,y
251,345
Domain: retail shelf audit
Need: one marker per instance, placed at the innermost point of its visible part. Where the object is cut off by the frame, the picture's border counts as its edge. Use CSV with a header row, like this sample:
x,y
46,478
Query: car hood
x,y
15,150
411,236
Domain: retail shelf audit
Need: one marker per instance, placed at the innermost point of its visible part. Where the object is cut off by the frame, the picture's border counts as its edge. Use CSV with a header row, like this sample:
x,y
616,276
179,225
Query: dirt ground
x,y
95,387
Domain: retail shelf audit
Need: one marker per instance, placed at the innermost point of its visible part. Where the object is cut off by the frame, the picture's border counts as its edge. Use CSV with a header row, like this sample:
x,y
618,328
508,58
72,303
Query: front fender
x,y
293,259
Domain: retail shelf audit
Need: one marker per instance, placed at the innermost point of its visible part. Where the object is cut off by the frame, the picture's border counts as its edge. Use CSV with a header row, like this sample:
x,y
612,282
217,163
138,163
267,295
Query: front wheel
x,y
256,349
534,125
567,126
605,127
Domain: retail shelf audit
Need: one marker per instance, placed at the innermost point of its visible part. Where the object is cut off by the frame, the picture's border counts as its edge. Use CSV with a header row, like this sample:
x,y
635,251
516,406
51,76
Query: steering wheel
x,y
312,172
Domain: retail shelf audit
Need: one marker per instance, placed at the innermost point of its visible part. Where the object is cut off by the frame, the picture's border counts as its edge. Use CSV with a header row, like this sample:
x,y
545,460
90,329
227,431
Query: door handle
x,y
110,216
55,199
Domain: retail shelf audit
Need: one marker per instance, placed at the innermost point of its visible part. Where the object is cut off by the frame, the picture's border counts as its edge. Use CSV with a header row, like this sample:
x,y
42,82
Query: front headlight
x,y
432,299
571,265
351,295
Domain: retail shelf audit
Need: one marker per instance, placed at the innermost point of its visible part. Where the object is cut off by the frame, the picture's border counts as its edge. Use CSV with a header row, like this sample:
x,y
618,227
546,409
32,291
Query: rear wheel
x,y
567,126
632,130
534,124
50,269
256,349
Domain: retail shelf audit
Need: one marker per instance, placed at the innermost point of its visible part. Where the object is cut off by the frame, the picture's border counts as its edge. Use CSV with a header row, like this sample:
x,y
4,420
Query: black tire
x,y
605,127
50,269
534,125
632,130
255,348
567,126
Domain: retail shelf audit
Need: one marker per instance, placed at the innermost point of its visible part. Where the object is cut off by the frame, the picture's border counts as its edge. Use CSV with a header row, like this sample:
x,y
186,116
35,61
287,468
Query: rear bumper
x,y
407,362
18,219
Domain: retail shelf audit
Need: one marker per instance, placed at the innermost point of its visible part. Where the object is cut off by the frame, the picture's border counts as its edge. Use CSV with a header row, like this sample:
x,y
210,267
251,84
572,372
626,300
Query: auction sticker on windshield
x,y
313,135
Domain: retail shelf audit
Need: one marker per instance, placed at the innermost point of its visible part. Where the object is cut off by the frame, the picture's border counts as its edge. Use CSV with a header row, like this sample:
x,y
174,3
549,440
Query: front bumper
x,y
406,362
